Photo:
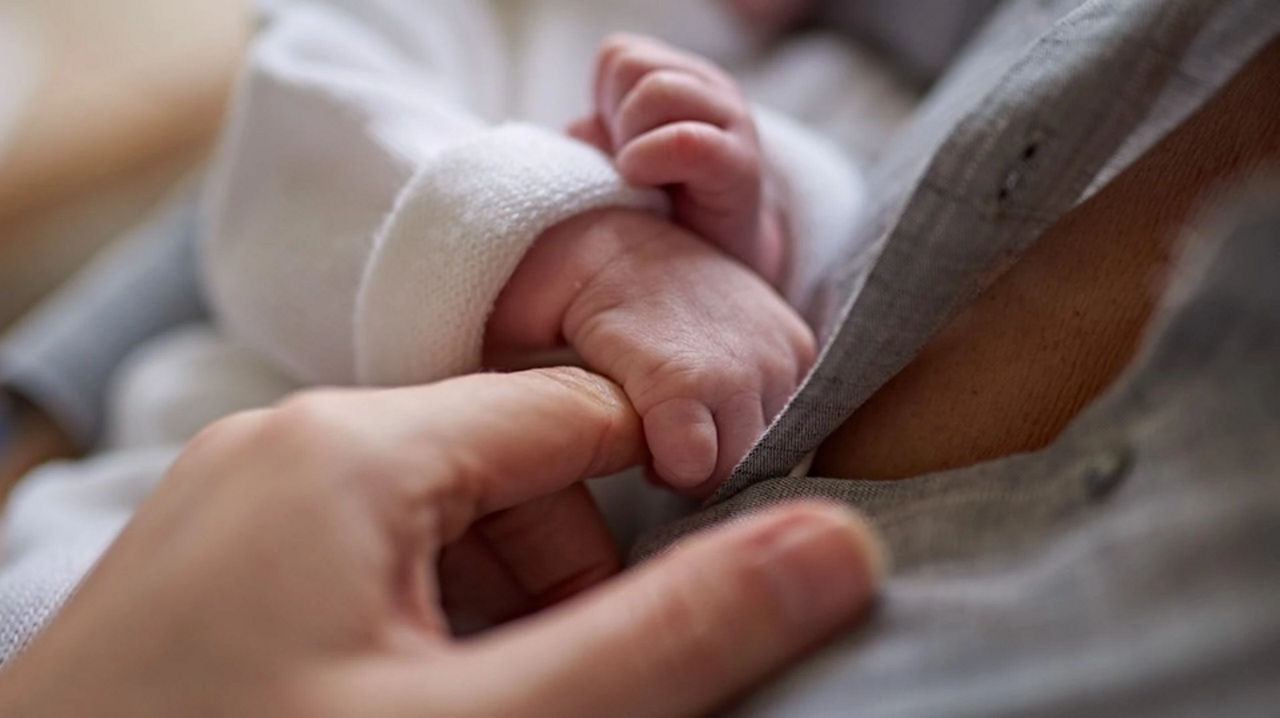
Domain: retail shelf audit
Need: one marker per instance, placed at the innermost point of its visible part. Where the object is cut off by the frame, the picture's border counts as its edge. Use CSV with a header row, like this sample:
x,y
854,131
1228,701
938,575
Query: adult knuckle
x,y
316,429
323,404
228,434
312,411
310,423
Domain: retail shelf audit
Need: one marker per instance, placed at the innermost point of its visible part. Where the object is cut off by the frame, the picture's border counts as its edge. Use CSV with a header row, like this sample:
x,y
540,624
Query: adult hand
x,y
285,566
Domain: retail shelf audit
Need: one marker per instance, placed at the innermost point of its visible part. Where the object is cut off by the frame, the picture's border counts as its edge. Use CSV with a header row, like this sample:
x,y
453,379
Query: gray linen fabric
x,y
62,356
920,37
1051,96
1132,568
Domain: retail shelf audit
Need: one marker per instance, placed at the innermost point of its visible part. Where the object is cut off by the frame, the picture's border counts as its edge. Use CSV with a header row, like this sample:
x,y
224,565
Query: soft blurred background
x,y
104,108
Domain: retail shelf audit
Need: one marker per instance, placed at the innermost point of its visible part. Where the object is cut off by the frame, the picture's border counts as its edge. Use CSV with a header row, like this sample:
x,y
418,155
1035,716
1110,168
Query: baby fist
x,y
706,351
672,119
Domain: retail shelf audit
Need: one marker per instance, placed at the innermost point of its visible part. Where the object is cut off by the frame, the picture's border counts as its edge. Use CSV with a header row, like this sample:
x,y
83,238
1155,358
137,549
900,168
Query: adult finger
x,y
526,558
693,627
468,447
477,590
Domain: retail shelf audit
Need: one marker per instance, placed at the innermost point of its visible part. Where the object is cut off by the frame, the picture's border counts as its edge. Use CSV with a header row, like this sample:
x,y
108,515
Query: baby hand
x,y
706,351
672,119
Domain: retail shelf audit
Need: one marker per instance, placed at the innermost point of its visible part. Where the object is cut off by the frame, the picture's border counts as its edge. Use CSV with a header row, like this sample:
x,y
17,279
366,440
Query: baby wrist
x,y
456,235
529,313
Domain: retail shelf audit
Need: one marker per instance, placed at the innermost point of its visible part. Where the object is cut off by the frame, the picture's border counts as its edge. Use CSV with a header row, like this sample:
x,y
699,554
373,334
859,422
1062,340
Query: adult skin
x,y
285,567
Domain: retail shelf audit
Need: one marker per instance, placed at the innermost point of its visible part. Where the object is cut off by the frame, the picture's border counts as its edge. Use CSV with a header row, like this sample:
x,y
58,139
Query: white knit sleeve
x,y
457,232
364,208
822,192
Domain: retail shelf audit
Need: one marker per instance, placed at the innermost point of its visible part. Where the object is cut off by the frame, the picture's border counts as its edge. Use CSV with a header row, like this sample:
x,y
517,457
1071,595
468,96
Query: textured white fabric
x,y
62,516
455,237
57,523
372,195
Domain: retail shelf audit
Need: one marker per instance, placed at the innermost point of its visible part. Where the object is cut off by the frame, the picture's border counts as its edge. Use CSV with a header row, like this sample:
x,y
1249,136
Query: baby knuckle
x,y
804,343
716,75
788,376
804,348
697,376
777,365
610,47
631,63
738,115
743,383
791,338
672,377
659,85
693,141
615,43
629,69
741,158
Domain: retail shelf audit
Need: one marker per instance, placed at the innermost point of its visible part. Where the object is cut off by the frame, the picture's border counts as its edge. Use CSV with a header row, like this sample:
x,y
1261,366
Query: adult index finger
x,y
486,442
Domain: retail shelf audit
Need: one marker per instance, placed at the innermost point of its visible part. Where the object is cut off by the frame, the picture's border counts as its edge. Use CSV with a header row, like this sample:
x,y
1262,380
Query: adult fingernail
x,y
823,563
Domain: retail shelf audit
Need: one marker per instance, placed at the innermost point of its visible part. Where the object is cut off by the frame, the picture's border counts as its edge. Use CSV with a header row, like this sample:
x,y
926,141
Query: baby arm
x,y
364,210
707,352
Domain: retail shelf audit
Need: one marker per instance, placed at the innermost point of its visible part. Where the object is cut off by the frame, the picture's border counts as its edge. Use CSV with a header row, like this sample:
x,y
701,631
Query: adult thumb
x,y
694,626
